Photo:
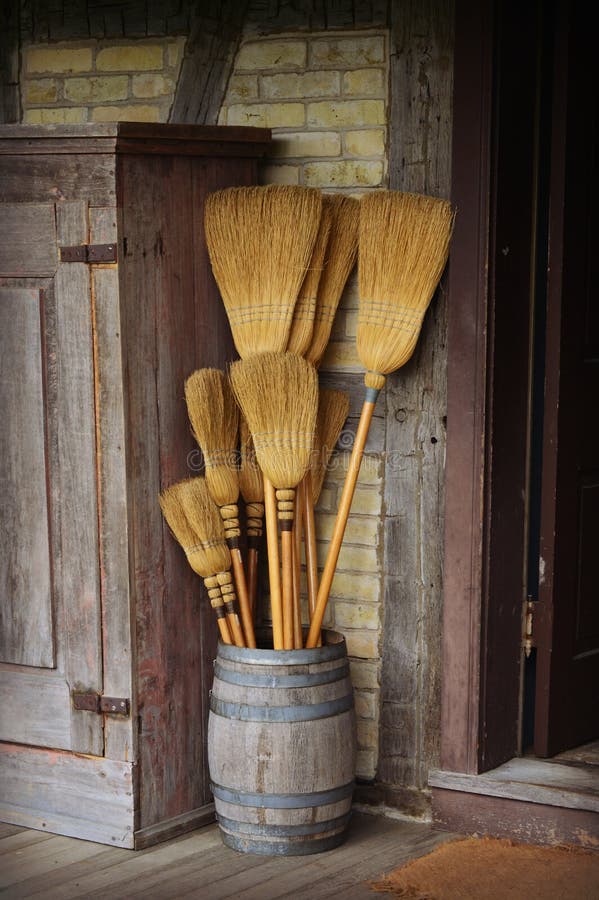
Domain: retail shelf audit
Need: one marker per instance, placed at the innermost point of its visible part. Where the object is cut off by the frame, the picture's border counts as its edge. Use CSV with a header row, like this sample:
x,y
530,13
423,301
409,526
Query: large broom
x,y
342,250
260,241
205,561
251,484
214,419
404,243
278,395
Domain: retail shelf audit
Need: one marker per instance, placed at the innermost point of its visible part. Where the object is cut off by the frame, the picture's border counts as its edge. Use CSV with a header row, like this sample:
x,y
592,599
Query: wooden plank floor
x,y
50,867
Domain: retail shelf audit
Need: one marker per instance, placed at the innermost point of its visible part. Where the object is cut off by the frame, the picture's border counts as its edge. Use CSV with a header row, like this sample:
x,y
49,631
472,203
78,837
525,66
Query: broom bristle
x,y
214,418
342,250
404,242
260,240
251,482
333,408
303,315
206,523
278,395
206,557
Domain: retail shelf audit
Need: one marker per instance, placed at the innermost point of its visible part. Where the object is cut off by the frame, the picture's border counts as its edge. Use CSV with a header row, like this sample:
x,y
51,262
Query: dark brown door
x,y
567,627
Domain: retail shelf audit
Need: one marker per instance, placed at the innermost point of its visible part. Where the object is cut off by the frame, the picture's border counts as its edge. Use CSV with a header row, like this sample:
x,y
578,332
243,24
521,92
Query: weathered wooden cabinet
x,y
107,303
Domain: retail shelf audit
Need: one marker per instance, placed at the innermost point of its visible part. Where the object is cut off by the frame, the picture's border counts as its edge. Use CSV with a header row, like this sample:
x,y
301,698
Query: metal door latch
x,y
98,703
89,253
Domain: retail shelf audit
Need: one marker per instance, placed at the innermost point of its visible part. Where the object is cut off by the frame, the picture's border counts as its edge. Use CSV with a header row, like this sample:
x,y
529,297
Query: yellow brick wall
x,y
325,97
100,81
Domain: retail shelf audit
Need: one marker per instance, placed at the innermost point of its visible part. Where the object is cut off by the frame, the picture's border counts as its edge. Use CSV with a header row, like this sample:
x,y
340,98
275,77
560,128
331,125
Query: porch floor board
x,y
52,867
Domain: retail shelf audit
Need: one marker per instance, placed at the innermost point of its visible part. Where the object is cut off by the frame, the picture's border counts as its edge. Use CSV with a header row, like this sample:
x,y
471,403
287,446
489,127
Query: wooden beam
x,y
421,49
207,64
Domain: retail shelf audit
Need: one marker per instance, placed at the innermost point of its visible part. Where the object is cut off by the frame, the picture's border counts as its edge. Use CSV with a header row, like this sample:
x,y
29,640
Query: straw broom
x,y
404,243
251,485
333,408
302,323
299,341
203,516
214,419
260,242
278,394
204,561
342,249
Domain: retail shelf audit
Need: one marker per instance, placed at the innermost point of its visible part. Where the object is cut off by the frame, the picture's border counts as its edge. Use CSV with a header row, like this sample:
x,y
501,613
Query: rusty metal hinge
x,y
528,641
89,253
98,703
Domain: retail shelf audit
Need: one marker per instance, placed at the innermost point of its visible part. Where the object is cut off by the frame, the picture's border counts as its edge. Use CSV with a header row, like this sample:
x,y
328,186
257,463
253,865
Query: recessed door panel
x,y
25,578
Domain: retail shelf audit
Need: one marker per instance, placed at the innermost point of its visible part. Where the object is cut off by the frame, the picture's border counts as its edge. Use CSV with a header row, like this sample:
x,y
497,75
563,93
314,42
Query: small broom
x,y
214,419
203,516
204,561
260,241
278,394
404,243
251,485
302,323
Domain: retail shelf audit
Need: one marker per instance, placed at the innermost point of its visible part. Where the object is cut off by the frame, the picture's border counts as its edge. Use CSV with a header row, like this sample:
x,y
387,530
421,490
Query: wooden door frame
x,y
488,400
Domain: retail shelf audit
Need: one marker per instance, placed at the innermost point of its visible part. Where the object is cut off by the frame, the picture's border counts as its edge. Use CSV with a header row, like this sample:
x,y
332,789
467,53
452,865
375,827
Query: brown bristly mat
x,y
495,869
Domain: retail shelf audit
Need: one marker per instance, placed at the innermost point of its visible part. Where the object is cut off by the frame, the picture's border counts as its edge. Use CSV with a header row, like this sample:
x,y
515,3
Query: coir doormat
x,y
494,869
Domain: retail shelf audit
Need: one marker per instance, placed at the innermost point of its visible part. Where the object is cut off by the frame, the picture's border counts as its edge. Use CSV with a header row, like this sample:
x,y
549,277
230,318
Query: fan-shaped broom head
x,y
206,550
303,314
333,408
206,522
260,241
342,250
404,243
278,395
214,418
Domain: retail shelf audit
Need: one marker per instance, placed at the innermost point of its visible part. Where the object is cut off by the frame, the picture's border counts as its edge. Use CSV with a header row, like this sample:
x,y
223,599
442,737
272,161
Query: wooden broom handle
x,y
218,605
347,495
252,577
254,510
285,513
287,566
225,580
310,544
244,598
274,572
298,638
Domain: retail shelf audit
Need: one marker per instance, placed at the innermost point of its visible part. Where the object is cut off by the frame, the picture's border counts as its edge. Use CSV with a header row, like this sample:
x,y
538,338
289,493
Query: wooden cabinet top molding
x,y
135,137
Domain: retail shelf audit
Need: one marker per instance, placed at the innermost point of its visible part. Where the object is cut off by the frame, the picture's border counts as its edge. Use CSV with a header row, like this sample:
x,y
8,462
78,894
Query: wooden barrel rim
x,y
333,648
284,830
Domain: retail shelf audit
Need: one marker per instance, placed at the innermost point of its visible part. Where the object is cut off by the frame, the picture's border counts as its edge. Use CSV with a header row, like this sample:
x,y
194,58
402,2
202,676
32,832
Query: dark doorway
x,y
567,607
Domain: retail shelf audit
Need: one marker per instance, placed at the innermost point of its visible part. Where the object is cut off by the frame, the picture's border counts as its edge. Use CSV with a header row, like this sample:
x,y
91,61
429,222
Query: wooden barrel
x,y
282,747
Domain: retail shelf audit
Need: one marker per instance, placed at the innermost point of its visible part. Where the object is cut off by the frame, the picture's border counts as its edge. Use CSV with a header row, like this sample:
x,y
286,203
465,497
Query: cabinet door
x,y
50,611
